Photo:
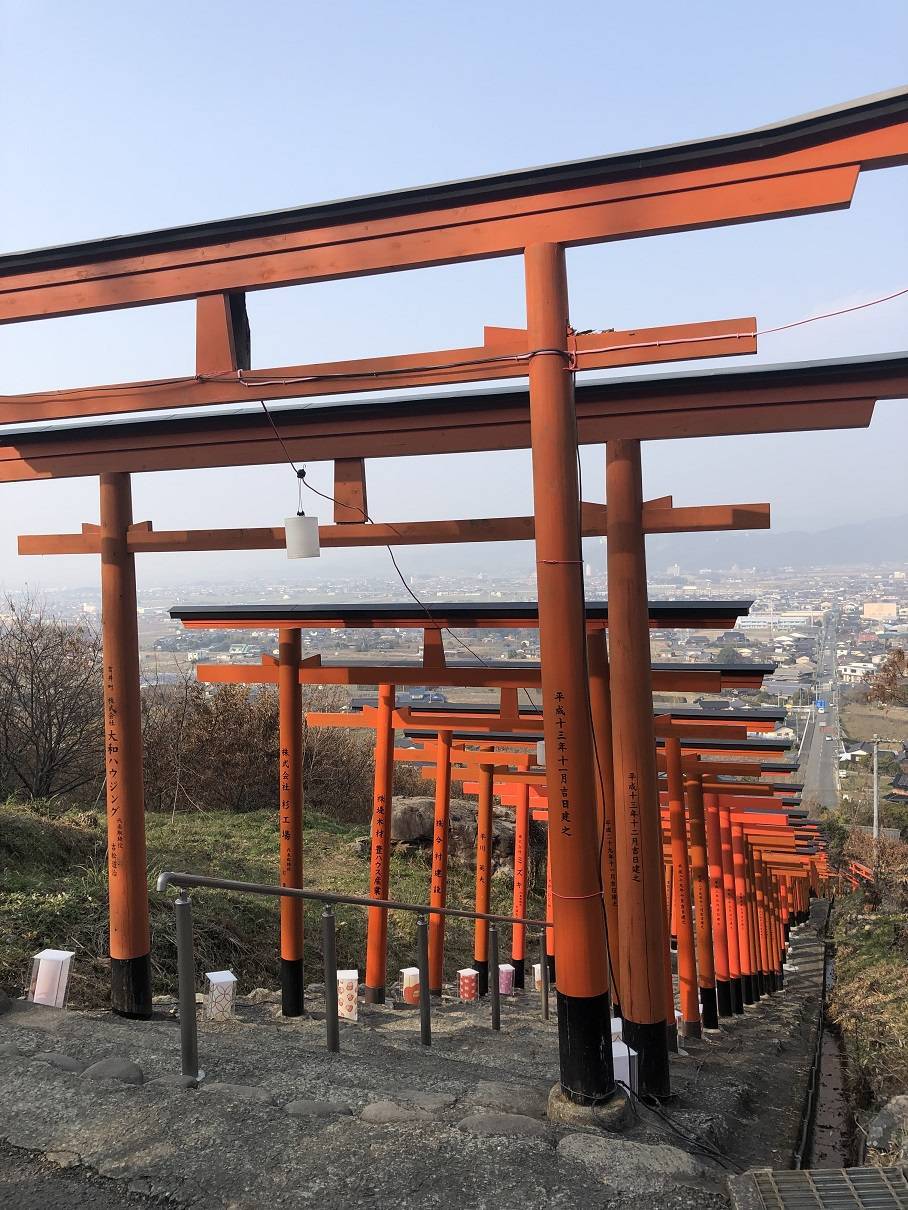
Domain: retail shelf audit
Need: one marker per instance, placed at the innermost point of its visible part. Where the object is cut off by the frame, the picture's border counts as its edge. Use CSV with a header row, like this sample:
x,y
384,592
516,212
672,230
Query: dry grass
x,y
863,721
869,1000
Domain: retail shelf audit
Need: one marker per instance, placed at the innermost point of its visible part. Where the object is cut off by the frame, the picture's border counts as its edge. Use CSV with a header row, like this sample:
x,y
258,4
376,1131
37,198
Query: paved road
x,y
820,762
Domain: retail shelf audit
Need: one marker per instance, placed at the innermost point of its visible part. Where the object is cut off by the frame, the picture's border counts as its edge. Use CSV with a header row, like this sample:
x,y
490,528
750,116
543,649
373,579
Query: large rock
x,y
413,821
503,1125
635,1168
890,1126
389,1113
60,1061
116,1068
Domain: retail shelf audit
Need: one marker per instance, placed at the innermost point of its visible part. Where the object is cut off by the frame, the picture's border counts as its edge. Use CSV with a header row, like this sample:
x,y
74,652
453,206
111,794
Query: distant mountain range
x,y
863,543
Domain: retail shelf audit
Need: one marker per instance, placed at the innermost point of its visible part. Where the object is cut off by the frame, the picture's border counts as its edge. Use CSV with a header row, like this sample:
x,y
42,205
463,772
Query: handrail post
x,y
329,955
494,985
544,968
422,961
189,1040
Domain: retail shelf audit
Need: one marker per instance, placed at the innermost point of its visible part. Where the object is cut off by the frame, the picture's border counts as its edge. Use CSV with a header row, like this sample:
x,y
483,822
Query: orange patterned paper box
x,y
409,984
468,983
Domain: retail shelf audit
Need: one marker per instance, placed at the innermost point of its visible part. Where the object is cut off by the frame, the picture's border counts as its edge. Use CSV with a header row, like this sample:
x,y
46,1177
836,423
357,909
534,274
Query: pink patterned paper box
x,y
468,983
506,979
347,987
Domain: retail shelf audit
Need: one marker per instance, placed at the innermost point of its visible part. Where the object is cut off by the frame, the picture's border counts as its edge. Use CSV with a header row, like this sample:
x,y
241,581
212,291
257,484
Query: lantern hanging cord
x,y
302,481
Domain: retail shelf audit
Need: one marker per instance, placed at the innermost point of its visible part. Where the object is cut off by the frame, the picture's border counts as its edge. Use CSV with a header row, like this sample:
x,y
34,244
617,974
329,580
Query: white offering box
x,y
409,984
49,982
506,979
537,976
625,1063
347,988
220,998
468,983
617,1026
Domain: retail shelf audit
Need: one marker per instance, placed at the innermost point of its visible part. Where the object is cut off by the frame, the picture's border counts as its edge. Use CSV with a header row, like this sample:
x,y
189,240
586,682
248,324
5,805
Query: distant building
x,y
880,611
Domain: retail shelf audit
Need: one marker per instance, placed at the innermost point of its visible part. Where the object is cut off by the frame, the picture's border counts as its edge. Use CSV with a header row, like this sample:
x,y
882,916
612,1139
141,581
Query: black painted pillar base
x,y
737,996
550,959
650,1041
482,983
780,980
671,1034
130,987
375,995
787,929
585,1049
616,1008
291,987
749,990
724,997
709,1007
519,965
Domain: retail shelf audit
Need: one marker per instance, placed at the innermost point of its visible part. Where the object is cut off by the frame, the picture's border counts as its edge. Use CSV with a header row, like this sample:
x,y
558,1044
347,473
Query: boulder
x,y
116,1068
503,1125
388,1113
890,1126
412,821
60,1061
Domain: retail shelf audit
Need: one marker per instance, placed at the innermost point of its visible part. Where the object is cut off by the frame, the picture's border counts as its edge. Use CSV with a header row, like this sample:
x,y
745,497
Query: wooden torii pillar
x,y
130,937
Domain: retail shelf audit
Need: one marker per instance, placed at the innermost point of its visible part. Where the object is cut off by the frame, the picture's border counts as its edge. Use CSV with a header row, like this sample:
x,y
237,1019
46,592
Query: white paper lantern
x,y
347,988
537,976
409,984
617,1027
220,999
49,982
624,1061
301,537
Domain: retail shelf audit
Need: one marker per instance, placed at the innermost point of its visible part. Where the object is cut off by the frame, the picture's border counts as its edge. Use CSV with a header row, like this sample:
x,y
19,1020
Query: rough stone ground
x,y
461,1123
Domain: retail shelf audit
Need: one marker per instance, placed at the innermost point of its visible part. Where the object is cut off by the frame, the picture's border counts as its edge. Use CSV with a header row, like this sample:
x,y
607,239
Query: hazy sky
x,y
122,117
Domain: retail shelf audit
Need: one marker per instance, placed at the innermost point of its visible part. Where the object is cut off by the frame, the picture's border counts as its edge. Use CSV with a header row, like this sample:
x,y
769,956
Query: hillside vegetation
x,y
53,871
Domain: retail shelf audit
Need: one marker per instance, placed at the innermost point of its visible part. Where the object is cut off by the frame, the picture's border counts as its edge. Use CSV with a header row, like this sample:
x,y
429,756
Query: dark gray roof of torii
x,y
836,121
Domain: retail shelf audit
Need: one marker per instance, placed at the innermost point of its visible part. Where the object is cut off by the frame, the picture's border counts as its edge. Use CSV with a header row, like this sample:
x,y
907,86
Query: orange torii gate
x,y
809,164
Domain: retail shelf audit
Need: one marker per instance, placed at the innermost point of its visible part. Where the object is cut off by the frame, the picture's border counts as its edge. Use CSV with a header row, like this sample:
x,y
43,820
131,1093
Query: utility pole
x,y
876,791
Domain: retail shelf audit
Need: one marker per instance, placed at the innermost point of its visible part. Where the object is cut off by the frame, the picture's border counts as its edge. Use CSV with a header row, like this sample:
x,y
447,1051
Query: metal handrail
x,y
182,880
186,958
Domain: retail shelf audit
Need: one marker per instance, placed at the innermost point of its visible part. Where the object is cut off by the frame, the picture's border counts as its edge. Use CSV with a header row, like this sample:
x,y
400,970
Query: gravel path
x,y
280,1121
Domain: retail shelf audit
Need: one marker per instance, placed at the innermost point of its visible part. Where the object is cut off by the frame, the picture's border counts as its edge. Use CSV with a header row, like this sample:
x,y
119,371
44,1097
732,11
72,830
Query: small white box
x,y
49,981
624,1061
506,979
347,989
220,999
537,976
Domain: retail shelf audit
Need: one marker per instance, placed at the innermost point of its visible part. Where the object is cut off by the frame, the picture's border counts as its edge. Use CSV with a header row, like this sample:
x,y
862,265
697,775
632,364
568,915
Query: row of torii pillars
x,y
575,700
